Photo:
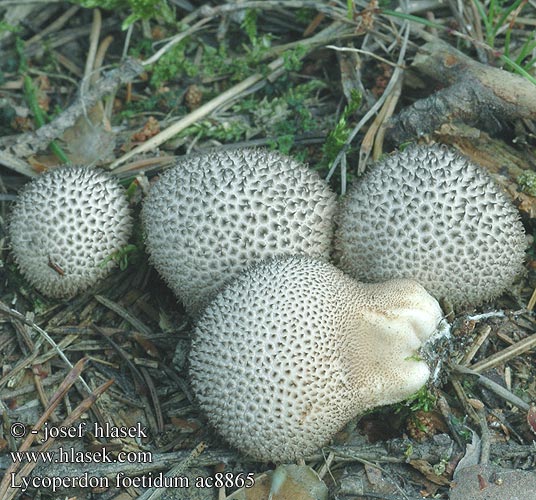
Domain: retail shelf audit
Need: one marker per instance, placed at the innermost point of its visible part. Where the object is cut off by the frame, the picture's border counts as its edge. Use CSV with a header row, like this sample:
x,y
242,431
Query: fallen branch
x,y
477,95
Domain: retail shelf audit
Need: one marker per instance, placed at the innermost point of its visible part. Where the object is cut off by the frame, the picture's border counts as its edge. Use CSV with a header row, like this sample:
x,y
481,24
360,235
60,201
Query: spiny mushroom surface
x,y
429,214
292,349
65,226
213,214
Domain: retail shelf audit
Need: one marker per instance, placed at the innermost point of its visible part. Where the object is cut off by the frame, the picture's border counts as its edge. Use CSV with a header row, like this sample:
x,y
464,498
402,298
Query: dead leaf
x,y
472,455
374,474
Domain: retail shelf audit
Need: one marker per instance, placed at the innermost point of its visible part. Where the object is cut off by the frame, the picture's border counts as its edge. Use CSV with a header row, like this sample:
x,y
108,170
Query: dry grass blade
x,y
207,10
199,113
482,336
374,109
145,164
375,134
532,301
93,43
54,26
16,164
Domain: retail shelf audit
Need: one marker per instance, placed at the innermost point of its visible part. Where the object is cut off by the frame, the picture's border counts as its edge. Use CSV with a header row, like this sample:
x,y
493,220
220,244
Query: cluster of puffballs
x,y
307,311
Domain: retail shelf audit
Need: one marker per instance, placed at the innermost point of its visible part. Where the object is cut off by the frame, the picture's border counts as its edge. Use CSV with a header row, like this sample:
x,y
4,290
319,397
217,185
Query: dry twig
x,y
505,355
493,386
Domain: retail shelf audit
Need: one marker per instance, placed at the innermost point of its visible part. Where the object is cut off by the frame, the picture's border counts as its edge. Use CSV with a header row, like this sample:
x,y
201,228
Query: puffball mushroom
x,y
293,348
65,226
213,214
429,214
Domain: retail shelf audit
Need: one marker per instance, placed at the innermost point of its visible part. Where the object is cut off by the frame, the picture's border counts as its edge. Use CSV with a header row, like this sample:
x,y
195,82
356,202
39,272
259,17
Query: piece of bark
x,y
478,95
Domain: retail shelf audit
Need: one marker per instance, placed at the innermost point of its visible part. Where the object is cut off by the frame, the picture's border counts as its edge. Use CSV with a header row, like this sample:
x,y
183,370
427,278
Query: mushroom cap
x,y
429,214
64,227
213,214
292,349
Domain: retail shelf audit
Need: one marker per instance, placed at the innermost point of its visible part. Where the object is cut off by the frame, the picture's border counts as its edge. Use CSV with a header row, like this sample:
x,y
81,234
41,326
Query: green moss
x,y
226,131
293,59
249,25
164,102
174,64
142,48
122,256
214,63
139,9
338,136
9,27
211,62
422,400
281,118
295,116
527,182
101,4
